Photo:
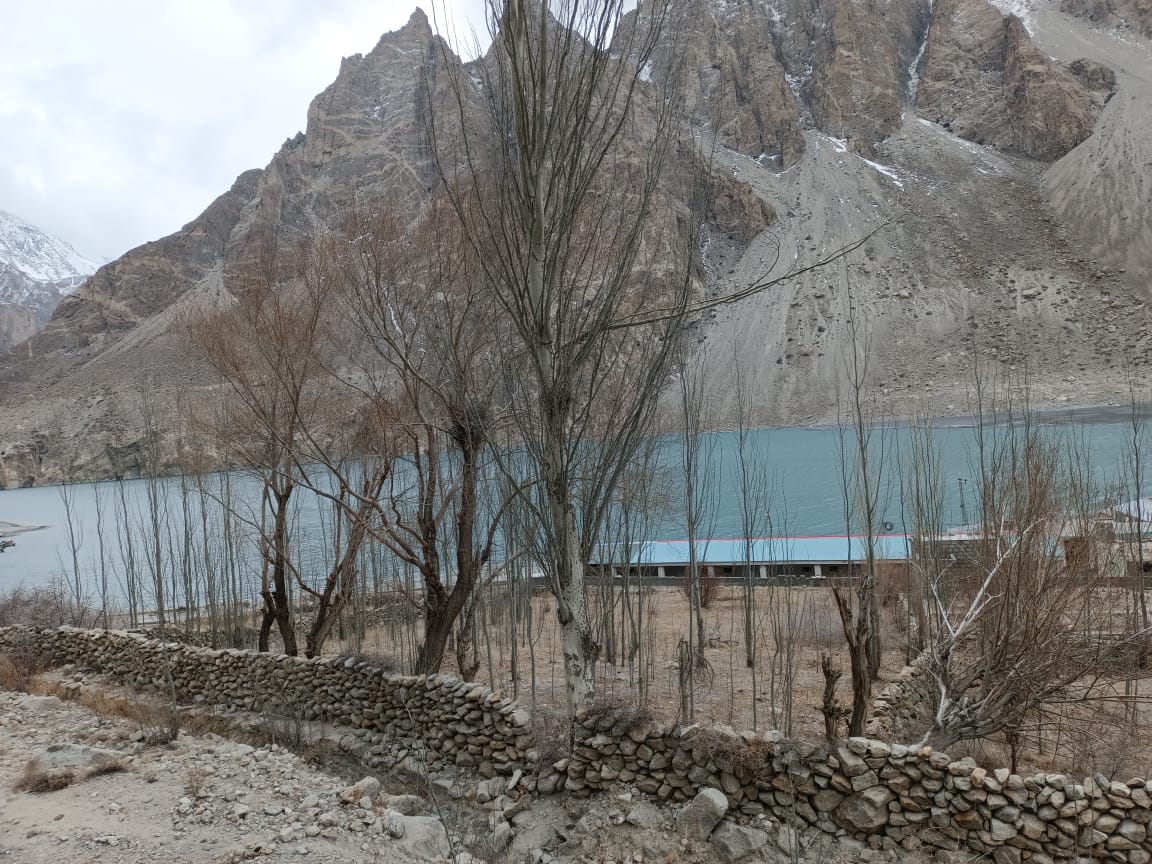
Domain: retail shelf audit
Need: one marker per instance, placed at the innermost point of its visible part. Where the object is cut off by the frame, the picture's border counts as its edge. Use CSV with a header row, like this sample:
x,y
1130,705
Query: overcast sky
x,y
121,120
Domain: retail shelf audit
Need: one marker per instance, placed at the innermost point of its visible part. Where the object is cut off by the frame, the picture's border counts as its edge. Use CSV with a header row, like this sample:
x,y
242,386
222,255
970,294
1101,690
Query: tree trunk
x,y
466,662
861,689
442,608
830,706
576,637
440,615
857,626
328,610
283,616
576,640
266,622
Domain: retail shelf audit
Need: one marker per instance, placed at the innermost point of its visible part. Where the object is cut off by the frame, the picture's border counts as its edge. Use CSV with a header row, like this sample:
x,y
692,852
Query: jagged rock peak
x,y
732,80
985,80
418,27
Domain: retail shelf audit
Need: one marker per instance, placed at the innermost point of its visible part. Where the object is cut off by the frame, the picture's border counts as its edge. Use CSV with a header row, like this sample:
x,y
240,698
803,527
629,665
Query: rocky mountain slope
x,y
1006,158
1123,14
36,272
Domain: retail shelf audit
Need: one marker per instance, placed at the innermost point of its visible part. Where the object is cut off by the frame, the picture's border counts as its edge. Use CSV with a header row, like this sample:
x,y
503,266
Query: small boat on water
x,y
5,543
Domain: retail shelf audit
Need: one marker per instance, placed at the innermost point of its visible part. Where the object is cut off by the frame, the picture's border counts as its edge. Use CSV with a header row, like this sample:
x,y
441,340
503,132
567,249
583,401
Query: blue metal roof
x,y
764,550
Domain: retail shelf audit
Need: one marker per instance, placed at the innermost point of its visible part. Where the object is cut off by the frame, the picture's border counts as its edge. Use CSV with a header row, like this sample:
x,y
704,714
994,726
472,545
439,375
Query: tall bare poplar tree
x,y
555,197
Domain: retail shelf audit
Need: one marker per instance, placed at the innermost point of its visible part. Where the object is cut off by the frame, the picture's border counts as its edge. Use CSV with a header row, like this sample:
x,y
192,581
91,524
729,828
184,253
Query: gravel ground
x,y
197,799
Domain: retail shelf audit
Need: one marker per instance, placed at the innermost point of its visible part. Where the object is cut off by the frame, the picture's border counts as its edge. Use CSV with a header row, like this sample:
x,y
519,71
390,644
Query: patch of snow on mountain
x,y
1022,9
840,145
38,256
885,170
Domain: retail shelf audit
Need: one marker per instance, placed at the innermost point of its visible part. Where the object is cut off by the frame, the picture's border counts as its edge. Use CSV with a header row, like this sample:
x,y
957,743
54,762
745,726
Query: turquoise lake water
x,y
804,464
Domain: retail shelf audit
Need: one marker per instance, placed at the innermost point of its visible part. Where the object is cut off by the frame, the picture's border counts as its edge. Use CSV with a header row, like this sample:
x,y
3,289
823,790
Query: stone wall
x,y
903,709
436,717
888,796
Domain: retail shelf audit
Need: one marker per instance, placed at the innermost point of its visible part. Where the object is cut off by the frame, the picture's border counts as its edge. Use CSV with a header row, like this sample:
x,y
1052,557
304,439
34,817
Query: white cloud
x,y
121,120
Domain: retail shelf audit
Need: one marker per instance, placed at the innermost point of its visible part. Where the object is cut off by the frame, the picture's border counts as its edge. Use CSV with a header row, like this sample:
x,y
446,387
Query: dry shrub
x,y
820,629
1094,737
159,722
709,588
38,782
194,782
282,719
619,714
552,730
1112,751
48,606
323,753
735,755
201,722
18,670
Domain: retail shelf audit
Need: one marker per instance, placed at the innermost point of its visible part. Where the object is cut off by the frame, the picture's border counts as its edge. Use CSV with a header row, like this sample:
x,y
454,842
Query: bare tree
x,y
556,210
154,522
699,498
264,348
427,341
1137,451
930,561
862,470
74,533
1026,623
753,484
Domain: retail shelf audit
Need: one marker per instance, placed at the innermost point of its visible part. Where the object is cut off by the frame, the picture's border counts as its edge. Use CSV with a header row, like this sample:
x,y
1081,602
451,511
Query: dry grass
x,y
194,782
158,721
19,669
805,615
735,755
619,714
37,781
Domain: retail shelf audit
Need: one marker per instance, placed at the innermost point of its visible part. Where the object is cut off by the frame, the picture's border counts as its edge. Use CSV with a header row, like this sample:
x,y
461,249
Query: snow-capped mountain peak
x,y
37,255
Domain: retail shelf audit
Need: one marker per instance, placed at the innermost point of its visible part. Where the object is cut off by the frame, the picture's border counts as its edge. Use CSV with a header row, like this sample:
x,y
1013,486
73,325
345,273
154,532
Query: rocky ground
x,y
196,799
127,798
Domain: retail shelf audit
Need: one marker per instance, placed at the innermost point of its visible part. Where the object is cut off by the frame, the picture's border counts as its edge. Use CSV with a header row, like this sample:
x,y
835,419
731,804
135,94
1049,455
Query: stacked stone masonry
x,y
436,718
888,796
903,709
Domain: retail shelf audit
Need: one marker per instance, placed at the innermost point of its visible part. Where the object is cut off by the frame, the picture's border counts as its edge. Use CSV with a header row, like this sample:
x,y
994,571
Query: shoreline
x,y
15,529
1114,413
1089,415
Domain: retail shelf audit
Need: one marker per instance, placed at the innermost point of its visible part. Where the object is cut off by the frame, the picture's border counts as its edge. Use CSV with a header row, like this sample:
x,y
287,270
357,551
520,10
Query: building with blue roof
x,y
793,557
